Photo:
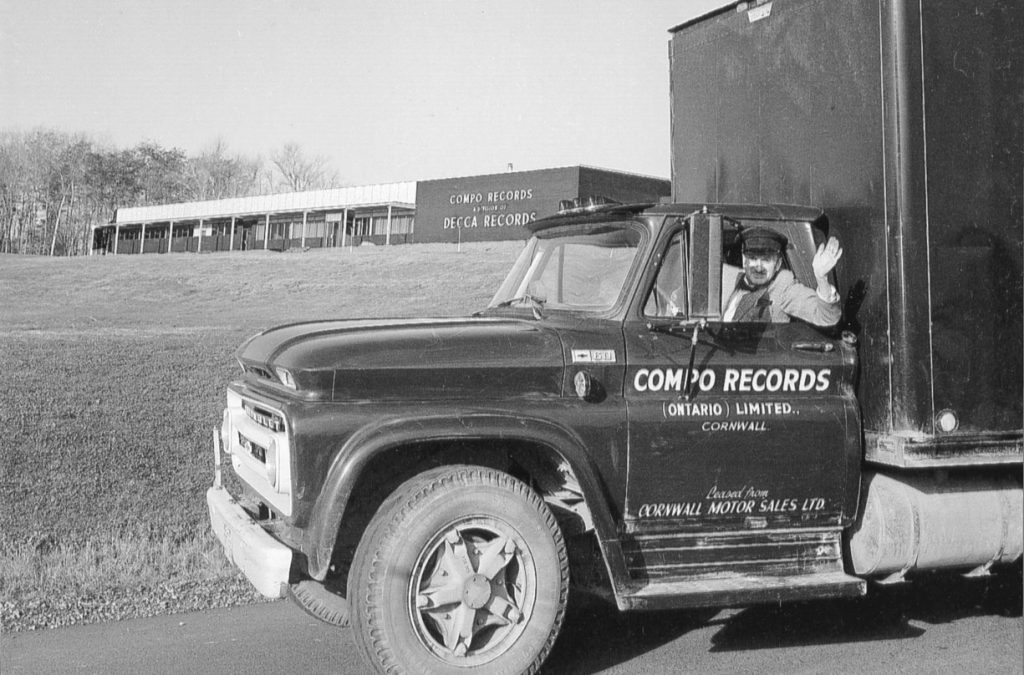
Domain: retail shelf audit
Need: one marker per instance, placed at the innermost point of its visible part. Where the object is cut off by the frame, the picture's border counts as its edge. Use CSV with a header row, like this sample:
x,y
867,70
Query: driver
x,y
766,292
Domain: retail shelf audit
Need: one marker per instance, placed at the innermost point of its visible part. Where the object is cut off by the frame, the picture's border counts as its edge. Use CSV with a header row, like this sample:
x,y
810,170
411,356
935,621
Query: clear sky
x,y
386,90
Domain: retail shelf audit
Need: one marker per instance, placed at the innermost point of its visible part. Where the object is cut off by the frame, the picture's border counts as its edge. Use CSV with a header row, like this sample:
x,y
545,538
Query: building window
x,y
377,225
279,230
402,224
315,230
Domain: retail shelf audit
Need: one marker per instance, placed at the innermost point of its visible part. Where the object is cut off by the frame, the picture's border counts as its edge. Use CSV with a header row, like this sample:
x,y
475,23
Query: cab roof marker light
x,y
591,202
583,204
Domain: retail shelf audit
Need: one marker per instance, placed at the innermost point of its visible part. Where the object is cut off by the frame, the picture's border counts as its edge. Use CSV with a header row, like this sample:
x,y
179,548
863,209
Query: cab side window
x,y
732,263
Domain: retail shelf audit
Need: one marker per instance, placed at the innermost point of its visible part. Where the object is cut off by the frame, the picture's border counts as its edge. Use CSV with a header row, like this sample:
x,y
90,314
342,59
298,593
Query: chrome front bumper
x,y
265,561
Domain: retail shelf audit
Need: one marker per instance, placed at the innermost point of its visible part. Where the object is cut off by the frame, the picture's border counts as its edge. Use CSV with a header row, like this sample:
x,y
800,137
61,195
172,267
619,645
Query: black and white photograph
x,y
471,337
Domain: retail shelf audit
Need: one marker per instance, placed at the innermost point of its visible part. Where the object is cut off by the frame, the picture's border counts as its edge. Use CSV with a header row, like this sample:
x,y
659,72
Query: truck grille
x,y
256,436
254,449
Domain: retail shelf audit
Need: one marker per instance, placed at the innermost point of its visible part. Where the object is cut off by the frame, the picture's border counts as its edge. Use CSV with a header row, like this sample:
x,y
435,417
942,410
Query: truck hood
x,y
410,359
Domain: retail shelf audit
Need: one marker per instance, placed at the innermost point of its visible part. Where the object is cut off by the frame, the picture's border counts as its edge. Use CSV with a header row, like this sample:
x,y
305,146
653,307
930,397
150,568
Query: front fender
x,y
349,463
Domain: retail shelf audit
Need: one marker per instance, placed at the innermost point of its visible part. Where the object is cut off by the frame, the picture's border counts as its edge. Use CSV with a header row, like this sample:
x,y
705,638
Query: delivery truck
x,y
612,421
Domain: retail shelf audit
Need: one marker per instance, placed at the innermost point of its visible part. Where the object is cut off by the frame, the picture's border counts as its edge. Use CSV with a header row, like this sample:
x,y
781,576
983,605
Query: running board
x,y
734,591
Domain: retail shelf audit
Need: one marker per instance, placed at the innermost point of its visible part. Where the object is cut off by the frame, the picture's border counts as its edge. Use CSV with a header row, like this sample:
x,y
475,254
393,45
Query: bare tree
x,y
66,172
55,187
14,189
215,174
159,173
298,172
38,171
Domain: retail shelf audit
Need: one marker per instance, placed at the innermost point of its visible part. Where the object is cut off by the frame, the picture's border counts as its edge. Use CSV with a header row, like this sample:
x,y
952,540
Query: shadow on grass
x,y
596,636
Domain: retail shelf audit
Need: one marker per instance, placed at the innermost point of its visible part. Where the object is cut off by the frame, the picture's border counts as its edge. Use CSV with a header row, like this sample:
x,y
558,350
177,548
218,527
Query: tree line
x,y
54,186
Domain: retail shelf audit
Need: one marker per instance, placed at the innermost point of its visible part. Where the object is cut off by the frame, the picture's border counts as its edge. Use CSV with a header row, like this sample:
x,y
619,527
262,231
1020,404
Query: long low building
x,y
474,208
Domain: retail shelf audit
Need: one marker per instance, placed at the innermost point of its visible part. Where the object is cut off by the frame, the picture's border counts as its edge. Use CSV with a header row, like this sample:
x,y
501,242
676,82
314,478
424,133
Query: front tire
x,y
462,570
324,600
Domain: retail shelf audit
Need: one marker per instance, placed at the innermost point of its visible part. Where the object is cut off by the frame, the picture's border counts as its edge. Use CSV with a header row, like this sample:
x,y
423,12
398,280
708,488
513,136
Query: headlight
x,y
286,377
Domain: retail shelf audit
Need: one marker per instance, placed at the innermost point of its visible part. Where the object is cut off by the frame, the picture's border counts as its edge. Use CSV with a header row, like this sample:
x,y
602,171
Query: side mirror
x,y
704,274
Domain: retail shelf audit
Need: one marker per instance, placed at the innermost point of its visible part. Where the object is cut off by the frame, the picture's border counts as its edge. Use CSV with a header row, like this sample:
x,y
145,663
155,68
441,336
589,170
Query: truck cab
x,y
736,430
439,483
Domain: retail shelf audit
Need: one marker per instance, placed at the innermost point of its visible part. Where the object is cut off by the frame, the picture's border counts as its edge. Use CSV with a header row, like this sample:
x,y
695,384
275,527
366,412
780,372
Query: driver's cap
x,y
762,240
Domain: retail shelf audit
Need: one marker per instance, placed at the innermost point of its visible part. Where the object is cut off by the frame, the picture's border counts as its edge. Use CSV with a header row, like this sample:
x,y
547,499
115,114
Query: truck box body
x,y
904,121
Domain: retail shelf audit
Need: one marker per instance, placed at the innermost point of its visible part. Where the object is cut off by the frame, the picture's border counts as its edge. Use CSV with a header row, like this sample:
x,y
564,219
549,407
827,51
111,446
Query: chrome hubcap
x,y
471,591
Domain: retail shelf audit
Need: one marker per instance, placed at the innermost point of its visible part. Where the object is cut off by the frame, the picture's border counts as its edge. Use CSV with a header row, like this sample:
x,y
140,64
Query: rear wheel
x,y
463,569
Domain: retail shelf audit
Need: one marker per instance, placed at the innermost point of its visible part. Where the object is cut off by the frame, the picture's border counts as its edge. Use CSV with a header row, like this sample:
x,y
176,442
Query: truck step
x,y
732,591
653,558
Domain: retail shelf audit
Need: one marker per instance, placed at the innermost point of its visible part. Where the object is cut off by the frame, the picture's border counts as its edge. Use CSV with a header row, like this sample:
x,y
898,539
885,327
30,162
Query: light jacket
x,y
782,298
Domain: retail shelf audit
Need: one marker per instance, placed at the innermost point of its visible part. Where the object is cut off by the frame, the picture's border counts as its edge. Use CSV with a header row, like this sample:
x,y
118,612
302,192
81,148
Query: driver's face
x,y
760,268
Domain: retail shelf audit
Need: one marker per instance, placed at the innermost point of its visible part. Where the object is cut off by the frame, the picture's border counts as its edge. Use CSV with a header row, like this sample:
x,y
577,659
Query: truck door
x,y
759,433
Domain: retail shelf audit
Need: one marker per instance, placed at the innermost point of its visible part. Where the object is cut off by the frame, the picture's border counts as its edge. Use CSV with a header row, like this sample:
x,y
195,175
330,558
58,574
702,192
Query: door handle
x,y
823,347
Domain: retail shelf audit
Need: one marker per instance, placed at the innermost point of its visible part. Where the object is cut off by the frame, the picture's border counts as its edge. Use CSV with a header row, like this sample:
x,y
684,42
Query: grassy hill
x,y
112,380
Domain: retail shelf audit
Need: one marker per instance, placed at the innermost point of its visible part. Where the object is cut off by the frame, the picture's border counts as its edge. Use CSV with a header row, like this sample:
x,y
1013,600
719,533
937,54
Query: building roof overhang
x,y
399,195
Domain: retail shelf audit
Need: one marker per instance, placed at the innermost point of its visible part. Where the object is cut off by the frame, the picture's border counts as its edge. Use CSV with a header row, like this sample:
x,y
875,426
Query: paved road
x,y
941,626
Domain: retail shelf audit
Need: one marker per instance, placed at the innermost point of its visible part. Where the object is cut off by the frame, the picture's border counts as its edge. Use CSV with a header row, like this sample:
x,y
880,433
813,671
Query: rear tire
x,y
462,570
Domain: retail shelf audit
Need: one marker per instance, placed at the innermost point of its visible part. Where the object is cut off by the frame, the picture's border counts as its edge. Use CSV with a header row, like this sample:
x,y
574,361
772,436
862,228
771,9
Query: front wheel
x,y
462,570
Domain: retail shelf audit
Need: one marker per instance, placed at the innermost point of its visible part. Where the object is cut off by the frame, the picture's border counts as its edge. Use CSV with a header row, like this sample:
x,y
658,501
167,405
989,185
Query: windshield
x,y
580,268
